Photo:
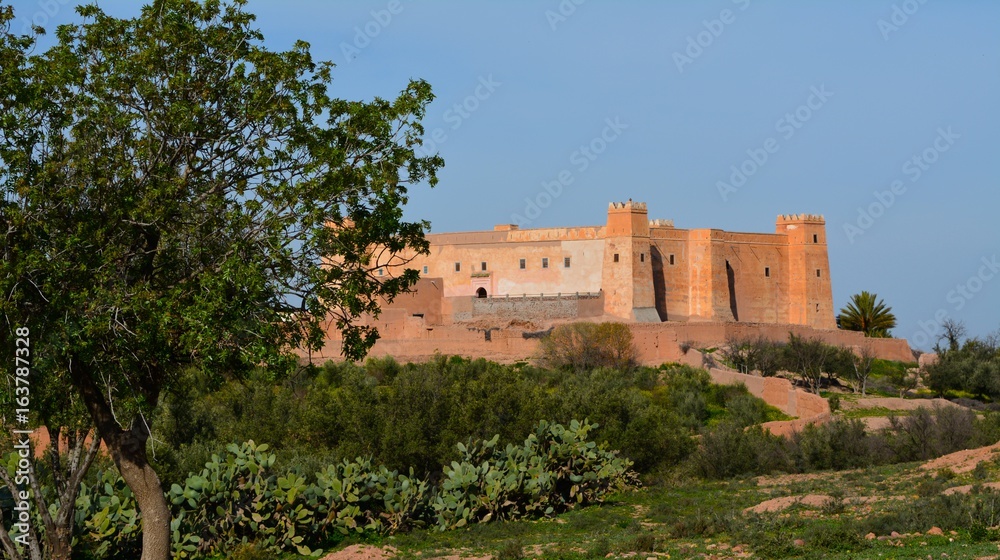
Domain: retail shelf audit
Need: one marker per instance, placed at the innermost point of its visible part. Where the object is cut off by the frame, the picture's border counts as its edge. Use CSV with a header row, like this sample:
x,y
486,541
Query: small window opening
x,y
566,262
818,273
616,257
522,264
815,238
545,262
642,257
482,265
671,260
425,269
458,267
767,272
381,272
817,307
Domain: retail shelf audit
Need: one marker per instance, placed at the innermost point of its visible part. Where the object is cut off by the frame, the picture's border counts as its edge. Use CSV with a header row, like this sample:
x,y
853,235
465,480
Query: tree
x,y
748,354
973,367
809,358
73,446
862,360
176,195
954,332
868,314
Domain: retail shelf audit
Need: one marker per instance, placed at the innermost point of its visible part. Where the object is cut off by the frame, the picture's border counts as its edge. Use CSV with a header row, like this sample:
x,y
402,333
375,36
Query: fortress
x,y
493,293
631,268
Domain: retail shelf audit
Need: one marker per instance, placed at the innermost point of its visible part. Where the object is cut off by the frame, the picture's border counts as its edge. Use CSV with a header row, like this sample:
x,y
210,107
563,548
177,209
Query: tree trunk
x,y
128,450
60,547
130,457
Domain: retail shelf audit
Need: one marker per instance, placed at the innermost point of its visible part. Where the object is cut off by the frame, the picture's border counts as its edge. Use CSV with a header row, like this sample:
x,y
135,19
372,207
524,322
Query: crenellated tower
x,y
810,295
628,274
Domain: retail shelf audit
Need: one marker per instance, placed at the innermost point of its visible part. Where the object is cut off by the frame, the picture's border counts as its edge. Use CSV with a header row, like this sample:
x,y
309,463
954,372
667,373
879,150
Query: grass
x,y
871,412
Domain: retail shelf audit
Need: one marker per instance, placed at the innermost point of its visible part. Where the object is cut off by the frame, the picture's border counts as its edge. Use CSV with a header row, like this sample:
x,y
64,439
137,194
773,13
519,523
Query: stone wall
x,y
539,307
411,338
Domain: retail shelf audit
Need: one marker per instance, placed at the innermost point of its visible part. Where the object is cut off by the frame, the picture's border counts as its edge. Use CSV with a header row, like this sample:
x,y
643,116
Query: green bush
x,y
555,469
732,450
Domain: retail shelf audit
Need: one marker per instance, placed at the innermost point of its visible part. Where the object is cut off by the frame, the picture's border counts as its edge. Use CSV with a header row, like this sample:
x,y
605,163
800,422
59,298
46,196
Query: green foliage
x,y
973,367
731,450
413,415
176,194
585,346
868,314
754,354
107,518
555,469
834,400
239,502
811,358
977,509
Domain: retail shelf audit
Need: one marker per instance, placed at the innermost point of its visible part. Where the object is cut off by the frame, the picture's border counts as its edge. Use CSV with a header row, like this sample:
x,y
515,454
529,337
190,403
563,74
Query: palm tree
x,y
868,314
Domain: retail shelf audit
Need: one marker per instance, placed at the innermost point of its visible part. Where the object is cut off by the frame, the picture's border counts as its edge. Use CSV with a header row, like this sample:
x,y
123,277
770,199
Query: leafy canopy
x,y
174,193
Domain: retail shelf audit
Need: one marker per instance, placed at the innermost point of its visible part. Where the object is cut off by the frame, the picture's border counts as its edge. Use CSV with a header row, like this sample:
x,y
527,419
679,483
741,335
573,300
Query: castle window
x,y
616,257
482,265
381,272
642,257
565,262
545,262
458,267
817,308
815,238
767,272
818,273
425,269
522,264
671,260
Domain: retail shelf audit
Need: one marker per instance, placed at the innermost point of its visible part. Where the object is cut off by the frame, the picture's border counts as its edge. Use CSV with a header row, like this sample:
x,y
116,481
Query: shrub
x,y
585,346
555,469
734,451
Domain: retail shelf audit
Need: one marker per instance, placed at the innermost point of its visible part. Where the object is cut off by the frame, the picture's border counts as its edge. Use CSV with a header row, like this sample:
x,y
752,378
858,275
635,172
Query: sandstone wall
x,y
539,308
781,394
410,338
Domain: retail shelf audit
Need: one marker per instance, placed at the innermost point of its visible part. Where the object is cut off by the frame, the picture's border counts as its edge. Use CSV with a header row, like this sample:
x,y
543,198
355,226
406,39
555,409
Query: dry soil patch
x,y
962,461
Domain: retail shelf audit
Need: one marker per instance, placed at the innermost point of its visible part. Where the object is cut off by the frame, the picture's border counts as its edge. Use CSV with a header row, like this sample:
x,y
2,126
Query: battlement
x,y
798,218
661,223
628,205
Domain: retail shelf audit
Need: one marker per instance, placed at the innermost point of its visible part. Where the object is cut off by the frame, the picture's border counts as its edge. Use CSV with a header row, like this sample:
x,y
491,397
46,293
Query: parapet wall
x,y
539,307
414,339
781,394
658,343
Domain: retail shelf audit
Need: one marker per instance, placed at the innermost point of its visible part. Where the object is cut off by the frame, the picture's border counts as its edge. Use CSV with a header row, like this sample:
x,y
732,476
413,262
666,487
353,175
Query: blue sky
x,y
880,114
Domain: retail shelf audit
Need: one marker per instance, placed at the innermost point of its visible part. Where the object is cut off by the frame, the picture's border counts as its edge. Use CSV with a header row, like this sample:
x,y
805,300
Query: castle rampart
x,y
645,270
